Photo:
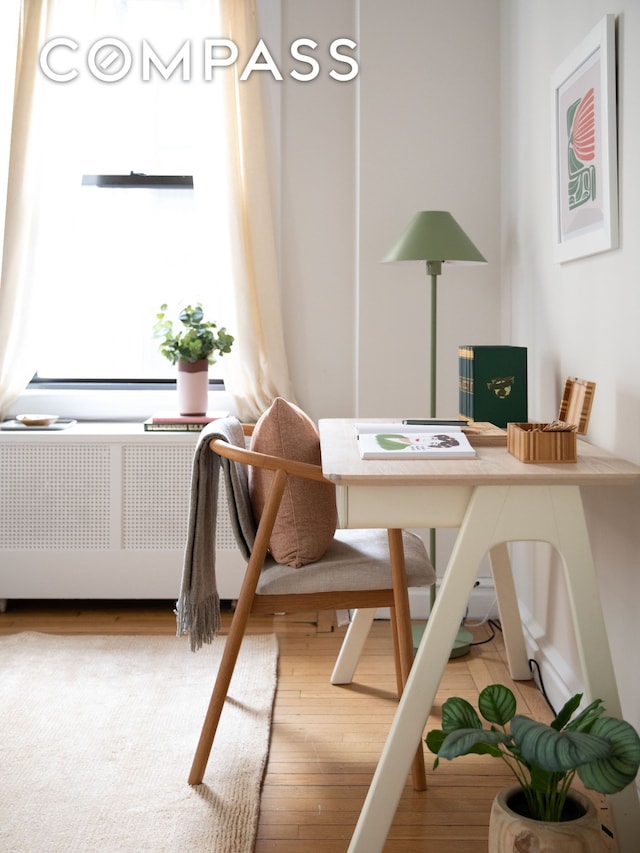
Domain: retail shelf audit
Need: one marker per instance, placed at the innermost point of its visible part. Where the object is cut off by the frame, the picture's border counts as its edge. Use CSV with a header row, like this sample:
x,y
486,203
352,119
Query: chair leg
x,y
395,633
219,695
404,635
237,629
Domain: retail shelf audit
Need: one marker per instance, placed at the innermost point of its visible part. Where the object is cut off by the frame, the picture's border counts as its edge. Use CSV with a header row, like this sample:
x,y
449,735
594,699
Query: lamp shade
x,y
434,235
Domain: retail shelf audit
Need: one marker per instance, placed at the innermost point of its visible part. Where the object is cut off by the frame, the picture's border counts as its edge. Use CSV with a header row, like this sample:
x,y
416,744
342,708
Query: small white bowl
x,y
37,420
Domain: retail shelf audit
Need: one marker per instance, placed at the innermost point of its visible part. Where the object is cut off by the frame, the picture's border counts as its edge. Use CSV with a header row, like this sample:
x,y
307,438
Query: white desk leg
x,y
509,613
352,645
429,664
592,642
498,514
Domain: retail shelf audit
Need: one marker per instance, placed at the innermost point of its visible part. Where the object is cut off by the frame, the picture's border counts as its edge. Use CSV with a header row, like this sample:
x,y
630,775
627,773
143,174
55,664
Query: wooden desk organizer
x,y
531,443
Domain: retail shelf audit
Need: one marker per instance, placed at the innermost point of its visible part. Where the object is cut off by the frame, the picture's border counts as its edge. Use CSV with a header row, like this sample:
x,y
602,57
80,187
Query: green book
x,y
492,384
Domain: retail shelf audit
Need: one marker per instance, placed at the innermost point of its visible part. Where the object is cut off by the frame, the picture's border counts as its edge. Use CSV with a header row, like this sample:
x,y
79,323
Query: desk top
x,y
341,463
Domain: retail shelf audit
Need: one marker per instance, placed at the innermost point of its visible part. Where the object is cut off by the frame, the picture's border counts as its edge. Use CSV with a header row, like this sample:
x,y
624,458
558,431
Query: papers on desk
x,y
412,441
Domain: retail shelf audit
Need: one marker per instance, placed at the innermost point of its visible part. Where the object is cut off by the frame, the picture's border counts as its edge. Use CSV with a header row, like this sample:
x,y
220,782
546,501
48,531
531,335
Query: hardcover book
x,y
150,426
174,418
173,422
399,441
492,384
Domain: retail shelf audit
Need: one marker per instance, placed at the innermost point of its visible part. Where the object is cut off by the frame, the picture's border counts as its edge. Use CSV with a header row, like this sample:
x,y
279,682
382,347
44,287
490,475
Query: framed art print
x,y
585,179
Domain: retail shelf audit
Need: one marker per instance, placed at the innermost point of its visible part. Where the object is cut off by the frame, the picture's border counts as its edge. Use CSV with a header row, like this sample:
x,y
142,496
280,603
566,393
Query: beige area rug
x,y
97,734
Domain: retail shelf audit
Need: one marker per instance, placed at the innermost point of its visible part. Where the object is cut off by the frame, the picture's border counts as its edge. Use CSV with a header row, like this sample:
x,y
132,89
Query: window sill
x,y
112,404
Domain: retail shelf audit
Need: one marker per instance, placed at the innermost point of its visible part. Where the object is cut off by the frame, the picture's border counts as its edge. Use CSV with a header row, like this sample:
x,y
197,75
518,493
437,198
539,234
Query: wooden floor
x,y
326,740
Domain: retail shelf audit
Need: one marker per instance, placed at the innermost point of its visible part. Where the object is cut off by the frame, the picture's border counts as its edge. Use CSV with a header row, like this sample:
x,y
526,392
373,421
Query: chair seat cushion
x,y
355,559
307,516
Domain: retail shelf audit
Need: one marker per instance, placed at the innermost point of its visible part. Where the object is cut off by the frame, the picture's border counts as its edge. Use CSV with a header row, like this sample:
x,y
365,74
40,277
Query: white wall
x,y
319,221
579,318
418,129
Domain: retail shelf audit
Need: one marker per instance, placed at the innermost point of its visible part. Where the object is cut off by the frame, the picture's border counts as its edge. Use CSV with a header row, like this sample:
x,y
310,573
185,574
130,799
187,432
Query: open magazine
x,y
412,441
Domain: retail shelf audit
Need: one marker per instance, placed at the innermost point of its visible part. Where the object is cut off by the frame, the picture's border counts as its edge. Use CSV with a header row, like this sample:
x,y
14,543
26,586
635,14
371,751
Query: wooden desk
x,y
493,499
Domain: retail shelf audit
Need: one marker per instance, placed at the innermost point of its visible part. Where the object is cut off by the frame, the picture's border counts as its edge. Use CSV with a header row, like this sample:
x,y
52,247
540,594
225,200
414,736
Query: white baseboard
x,y
560,682
482,603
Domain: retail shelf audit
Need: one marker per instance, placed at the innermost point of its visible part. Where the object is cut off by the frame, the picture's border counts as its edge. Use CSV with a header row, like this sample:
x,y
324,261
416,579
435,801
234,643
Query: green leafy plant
x,y
603,751
197,339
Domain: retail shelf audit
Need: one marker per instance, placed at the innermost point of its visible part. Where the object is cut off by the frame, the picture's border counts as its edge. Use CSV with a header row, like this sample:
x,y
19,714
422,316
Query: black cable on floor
x,y
494,625
489,638
537,677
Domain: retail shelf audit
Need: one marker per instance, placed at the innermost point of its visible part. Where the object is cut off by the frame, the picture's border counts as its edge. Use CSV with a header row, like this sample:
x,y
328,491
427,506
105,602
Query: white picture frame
x,y
585,168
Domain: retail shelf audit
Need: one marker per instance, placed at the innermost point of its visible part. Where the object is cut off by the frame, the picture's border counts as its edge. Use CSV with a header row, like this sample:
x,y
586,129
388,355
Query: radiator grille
x,y
75,497
55,497
155,496
156,492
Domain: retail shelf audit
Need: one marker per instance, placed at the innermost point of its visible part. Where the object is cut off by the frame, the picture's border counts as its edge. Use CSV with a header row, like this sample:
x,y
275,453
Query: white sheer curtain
x,y
17,285
257,369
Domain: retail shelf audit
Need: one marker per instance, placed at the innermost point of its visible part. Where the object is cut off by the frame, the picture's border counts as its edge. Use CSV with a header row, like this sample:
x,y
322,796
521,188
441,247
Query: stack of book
x,y
173,422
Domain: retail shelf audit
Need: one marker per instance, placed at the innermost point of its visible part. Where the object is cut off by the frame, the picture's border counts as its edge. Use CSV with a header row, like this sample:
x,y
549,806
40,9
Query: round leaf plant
x,y
197,339
603,751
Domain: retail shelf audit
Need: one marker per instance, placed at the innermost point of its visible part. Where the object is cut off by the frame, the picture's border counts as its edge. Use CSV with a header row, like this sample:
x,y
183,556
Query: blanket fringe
x,y
201,621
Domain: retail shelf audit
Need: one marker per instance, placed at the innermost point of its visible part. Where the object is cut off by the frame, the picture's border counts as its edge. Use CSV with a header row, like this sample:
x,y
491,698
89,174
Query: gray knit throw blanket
x,y
198,607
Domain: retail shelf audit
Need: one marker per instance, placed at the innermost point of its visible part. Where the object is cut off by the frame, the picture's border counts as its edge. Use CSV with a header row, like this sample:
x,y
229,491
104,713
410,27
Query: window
x,y
107,258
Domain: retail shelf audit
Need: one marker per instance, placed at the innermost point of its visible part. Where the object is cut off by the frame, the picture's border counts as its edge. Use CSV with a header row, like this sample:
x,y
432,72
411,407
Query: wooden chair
x,y
362,569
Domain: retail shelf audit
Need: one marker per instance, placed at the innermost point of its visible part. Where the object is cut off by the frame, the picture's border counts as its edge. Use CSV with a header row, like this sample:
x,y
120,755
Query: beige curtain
x,y
17,290
256,371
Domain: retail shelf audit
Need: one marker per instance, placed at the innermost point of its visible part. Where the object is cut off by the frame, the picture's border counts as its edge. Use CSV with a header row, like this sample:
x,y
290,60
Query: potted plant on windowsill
x,y
603,751
193,347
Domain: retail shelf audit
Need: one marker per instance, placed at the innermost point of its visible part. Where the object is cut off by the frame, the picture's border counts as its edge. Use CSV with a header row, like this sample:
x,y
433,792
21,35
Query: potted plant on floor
x,y
603,751
193,347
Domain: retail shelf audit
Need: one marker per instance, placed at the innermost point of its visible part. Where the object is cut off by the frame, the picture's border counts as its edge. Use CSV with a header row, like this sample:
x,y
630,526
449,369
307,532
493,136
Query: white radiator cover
x,y
100,511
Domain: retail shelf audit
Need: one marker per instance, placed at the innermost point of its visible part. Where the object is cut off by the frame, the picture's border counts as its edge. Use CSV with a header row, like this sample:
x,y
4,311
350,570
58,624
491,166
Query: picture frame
x,y
585,168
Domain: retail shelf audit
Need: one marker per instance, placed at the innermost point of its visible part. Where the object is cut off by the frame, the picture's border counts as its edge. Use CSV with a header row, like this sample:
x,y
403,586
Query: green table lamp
x,y
434,236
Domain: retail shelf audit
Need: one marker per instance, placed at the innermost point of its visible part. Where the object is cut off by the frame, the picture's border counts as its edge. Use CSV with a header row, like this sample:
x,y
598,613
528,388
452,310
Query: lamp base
x,y
461,644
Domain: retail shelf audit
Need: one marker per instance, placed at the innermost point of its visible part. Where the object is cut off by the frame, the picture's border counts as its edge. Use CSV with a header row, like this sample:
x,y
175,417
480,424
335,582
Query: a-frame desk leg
x,y
498,514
